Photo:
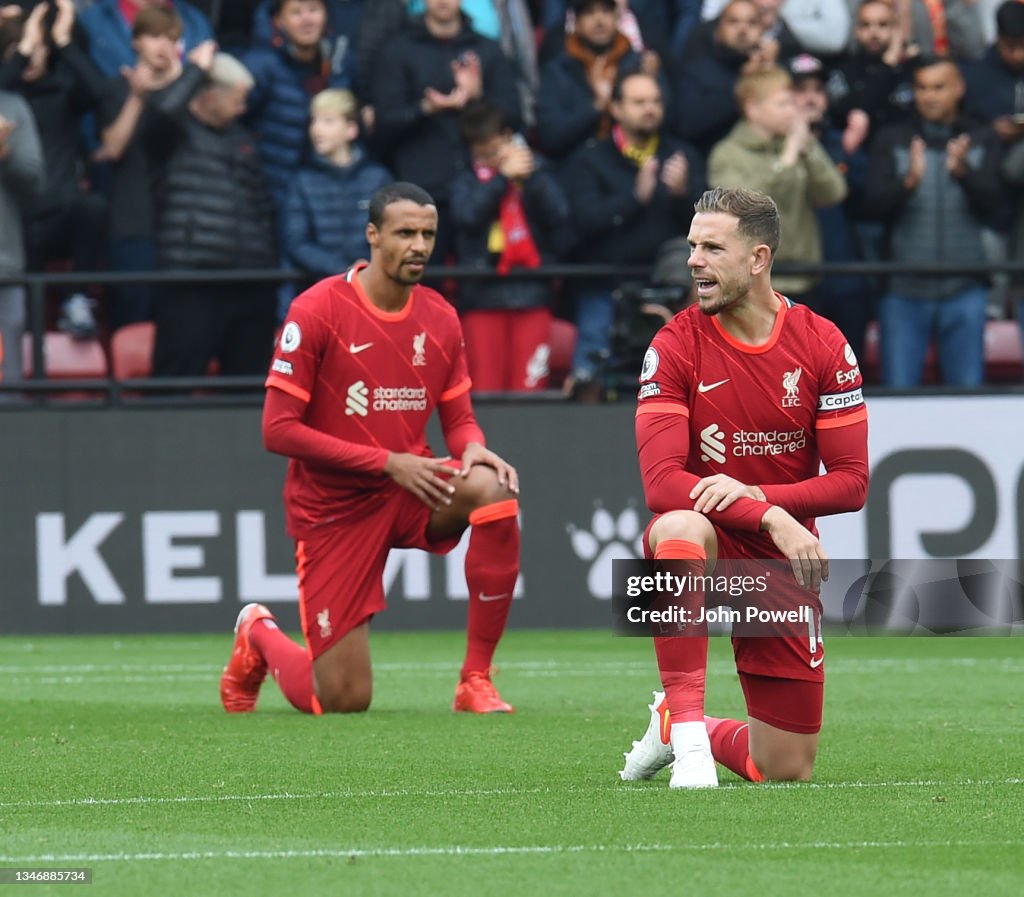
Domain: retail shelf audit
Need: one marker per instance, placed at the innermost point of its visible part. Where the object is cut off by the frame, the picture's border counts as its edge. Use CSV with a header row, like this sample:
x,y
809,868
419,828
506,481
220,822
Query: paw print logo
x,y
609,538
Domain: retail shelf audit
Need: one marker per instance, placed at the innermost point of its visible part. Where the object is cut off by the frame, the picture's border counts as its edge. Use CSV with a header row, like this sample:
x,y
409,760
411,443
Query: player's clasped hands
x,y
426,478
717,492
799,545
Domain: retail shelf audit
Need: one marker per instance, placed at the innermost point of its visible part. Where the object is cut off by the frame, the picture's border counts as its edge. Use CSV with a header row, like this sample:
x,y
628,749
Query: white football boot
x,y
693,766
650,754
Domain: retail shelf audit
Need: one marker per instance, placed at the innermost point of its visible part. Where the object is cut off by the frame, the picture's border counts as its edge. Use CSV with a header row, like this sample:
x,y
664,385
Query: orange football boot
x,y
246,670
477,694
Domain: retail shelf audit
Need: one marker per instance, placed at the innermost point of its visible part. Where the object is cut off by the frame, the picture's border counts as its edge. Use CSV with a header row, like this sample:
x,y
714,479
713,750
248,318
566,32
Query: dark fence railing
x,y
234,389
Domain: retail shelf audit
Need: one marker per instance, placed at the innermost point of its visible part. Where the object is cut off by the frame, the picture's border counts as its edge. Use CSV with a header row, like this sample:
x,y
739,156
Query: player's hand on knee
x,y
799,545
475,454
423,477
717,492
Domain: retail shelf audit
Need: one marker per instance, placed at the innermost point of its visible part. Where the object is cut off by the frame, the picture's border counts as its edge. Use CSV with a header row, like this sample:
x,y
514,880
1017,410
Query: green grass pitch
x,y
116,756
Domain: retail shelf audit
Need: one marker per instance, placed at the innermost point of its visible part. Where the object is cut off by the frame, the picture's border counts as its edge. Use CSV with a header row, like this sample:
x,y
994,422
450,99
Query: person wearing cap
x,y
772,149
845,299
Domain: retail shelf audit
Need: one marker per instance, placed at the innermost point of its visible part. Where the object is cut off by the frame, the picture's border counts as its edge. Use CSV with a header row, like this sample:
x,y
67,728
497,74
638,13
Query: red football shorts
x,y
341,568
782,676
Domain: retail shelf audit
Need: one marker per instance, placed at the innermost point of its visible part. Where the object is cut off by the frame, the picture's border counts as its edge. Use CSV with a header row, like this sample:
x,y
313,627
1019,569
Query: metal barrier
x,y
249,389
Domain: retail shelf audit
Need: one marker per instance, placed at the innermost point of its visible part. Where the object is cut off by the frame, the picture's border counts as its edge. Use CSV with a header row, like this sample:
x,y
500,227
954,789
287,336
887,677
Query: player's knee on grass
x,y
782,756
792,771
688,525
343,695
342,676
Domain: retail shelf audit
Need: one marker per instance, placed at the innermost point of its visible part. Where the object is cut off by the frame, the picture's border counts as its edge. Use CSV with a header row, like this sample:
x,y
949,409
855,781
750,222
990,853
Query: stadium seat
x,y
1004,356
131,350
563,343
1003,352
66,358
871,363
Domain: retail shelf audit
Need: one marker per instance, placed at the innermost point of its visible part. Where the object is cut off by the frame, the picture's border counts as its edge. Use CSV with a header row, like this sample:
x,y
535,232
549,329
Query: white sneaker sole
x,y
649,755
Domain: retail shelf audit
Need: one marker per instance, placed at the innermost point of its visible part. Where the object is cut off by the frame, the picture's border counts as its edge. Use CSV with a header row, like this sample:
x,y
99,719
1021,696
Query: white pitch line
x,y
77,673
420,667
497,850
886,663
375,794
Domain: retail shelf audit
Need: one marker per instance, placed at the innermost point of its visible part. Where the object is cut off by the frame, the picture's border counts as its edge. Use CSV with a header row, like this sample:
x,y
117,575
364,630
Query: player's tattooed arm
x,y
717,492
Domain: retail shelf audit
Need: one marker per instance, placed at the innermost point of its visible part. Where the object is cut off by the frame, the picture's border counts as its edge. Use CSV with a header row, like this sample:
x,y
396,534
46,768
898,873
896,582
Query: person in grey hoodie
x,y
21,180
1013,174
934,181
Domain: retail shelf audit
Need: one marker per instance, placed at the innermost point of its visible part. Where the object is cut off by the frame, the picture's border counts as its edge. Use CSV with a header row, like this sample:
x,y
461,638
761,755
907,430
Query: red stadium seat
x,y
1003,352
131,351
66,358
563,343
871,363
1004,356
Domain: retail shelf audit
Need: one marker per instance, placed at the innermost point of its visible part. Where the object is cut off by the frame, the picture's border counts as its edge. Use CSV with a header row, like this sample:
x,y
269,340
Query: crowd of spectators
x,y
140,135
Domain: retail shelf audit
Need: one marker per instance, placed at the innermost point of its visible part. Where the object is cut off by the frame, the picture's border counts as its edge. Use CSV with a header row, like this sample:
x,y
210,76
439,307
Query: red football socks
x,y
288,663
492,566
683,659
730,746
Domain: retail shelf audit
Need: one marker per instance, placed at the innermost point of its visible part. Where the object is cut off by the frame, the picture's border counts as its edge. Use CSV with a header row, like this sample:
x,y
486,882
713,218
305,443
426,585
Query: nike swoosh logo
x,y
355,350
484,597
817,662
702,387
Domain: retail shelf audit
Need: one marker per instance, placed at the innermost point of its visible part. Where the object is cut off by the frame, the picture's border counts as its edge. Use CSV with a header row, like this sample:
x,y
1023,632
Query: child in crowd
x,y
326,209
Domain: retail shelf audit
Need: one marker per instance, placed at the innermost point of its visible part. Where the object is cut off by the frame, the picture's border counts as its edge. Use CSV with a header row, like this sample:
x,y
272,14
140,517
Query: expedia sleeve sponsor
x,y
840,401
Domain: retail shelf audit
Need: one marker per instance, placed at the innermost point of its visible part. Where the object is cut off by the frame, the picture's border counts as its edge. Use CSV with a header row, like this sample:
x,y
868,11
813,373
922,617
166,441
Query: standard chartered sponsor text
x,y
399,398
772,442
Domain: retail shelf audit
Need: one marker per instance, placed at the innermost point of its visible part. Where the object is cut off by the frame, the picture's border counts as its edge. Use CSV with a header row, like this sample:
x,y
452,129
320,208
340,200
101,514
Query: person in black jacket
x,y
576,86
430,71
935,181
509,213
845,299
329,198
216,213
876,77
630,193
136,120
60,84
703,86
995,83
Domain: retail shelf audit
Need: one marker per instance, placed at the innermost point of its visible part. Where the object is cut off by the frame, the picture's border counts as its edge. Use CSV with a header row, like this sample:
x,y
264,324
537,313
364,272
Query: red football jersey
x,y
753,410
370,377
